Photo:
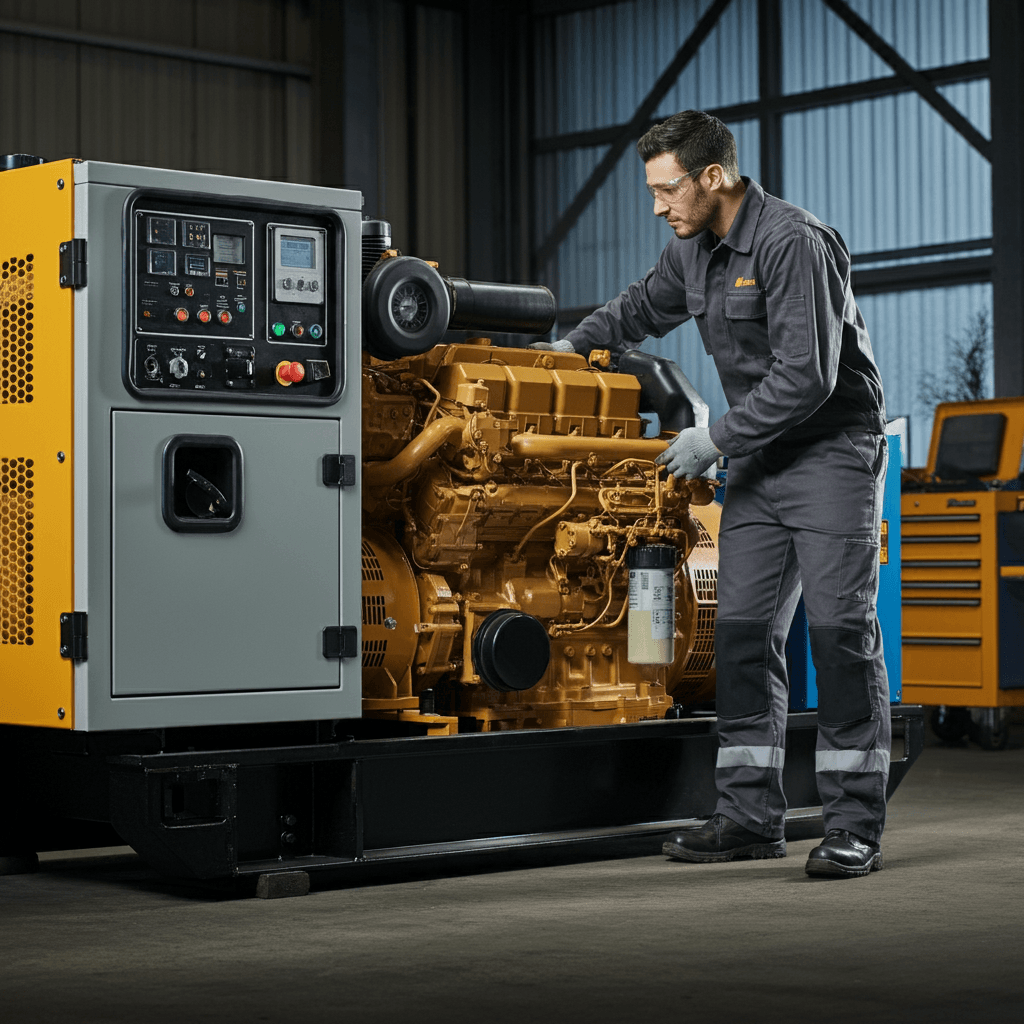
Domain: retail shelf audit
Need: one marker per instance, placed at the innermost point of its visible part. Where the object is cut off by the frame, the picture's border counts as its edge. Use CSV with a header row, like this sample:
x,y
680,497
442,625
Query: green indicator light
x,y
316,331
278,330
241,307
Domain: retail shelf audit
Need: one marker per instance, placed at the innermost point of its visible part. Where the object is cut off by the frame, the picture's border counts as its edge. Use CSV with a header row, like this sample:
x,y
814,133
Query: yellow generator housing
x,y
963,561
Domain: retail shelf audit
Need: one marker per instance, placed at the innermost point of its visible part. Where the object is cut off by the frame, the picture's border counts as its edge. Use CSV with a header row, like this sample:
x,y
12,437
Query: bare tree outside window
x,y
966,376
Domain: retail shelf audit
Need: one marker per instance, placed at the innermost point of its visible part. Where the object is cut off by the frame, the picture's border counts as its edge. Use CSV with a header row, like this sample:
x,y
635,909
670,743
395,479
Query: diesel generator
x,y
301,574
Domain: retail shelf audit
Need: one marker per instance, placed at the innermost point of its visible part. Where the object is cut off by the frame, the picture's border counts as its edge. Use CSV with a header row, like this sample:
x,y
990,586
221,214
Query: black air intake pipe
x,y
502,308
408,306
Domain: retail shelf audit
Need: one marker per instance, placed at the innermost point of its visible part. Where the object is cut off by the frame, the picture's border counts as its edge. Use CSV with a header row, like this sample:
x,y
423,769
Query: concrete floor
x,y
937,936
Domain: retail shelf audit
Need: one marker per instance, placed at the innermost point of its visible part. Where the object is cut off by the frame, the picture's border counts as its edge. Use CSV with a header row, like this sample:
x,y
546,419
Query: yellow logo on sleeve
x,y
744,282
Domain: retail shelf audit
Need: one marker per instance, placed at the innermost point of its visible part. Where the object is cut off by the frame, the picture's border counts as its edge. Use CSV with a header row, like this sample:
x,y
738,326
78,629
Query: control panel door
x,y
226,554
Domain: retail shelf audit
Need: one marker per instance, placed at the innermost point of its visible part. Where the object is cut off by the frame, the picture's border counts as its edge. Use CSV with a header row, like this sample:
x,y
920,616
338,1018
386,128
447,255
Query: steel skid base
x,y
338,809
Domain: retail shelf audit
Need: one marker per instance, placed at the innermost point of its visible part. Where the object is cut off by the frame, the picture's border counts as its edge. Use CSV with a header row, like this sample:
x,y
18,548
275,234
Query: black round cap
x,y
12,161
652,556
406,308
511,650
381,228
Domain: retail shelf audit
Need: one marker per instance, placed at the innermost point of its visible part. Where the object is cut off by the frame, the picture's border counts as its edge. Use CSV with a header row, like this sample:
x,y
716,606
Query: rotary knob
x,y
178,367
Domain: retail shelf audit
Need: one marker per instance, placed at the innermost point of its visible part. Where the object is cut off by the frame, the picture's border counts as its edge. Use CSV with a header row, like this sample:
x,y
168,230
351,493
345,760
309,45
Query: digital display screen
x,y
162,261
198,266
297,252
228,249
196,235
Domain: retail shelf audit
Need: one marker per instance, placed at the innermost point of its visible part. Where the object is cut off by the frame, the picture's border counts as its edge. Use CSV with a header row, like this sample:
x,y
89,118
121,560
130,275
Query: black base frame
x,y
333,799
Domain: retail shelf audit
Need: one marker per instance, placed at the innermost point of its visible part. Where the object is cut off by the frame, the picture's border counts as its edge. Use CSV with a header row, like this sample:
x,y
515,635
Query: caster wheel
x,y
990,727
950,724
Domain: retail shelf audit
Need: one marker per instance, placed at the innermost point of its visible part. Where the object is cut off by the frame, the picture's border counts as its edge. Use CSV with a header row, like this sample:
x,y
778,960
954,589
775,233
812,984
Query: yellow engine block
x,y
497,478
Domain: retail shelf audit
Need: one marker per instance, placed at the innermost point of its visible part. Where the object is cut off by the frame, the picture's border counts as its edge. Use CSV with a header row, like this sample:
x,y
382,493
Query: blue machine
x,y
803,687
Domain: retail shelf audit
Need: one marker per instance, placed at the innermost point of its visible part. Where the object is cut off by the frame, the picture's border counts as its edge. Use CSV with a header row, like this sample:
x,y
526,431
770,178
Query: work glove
x,y
691,452
553,346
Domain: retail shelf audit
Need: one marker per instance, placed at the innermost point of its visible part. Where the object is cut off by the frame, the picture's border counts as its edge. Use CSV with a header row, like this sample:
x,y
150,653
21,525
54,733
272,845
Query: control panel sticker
x,y
228,249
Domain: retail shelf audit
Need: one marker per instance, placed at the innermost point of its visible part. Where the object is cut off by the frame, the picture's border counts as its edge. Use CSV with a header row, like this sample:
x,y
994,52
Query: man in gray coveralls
x,y
769,287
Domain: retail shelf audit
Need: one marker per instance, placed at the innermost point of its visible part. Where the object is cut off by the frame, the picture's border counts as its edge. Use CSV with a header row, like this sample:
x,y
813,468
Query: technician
x,y
769,288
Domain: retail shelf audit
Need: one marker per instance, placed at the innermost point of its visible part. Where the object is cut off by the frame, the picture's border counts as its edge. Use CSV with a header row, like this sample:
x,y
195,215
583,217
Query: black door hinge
x,y
74,635
340,470
340,642
72,263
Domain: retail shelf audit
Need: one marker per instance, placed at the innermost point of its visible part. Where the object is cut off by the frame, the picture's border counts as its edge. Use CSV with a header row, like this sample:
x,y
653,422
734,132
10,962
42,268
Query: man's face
x,y
687,206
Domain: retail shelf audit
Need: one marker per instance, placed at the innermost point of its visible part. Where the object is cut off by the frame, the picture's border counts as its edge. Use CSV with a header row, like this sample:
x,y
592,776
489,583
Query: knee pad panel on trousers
x,y
844,675
740,660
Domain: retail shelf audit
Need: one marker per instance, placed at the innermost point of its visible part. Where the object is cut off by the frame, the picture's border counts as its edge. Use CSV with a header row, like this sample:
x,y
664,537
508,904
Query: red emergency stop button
x,y
203,316
181,314
289,373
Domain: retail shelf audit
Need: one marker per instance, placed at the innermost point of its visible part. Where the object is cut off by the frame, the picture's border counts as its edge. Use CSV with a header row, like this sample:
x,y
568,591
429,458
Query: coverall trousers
x,y
803,517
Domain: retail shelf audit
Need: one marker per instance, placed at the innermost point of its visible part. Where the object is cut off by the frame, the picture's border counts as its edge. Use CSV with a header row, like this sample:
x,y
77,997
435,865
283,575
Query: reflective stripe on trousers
x,y
751,757
852,761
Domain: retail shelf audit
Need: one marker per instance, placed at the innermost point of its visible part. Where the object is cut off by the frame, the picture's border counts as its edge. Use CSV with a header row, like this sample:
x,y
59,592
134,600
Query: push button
x,y
289,373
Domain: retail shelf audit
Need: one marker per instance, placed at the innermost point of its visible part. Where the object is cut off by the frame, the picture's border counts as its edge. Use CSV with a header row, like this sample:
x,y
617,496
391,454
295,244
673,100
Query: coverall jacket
x,y
804,436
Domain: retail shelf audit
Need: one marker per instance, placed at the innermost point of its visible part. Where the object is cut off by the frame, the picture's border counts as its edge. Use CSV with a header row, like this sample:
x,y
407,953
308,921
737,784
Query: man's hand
x,y
691,452
553,346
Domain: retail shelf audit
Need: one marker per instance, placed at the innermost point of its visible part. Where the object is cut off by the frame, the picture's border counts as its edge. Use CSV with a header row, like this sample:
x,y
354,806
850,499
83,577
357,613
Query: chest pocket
x,y
752,306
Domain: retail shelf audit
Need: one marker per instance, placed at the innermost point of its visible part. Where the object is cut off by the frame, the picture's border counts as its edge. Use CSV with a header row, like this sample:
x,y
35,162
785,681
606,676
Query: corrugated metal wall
x,y
78,97
888,172
70,99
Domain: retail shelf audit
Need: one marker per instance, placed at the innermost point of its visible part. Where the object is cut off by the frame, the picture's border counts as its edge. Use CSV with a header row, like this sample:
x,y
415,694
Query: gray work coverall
x,y
805,438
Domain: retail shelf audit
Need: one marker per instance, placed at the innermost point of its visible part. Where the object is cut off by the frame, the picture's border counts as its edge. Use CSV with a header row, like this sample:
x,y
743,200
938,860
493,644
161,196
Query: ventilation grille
x,y
373,610
702,653
373,653
705,584
16,544
16,330
703,537
371,564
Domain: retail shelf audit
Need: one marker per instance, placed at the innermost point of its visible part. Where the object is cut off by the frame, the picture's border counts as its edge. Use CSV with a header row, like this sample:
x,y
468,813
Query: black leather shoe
x,y
844,855
720,838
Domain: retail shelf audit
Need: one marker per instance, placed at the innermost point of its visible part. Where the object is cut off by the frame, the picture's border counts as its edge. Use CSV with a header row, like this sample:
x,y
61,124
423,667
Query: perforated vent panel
x,y
17,579
702,653
705,584
371,564
373,610
16,330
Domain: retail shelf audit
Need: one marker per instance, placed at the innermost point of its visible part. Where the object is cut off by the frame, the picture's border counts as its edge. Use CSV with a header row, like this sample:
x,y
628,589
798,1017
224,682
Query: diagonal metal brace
x,y
912,77
631,131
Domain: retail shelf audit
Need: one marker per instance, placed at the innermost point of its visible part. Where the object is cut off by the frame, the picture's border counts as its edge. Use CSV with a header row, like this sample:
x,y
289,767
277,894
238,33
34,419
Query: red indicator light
x,y
181,314
289,373
204,316
224,317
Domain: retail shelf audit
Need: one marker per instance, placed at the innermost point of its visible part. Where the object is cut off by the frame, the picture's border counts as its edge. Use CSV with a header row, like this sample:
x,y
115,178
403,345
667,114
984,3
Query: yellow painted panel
x,y
941,666
36,423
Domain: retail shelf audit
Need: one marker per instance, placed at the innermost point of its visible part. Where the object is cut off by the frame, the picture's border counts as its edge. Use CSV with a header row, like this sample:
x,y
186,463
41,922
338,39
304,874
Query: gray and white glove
x,y
691,452
553,346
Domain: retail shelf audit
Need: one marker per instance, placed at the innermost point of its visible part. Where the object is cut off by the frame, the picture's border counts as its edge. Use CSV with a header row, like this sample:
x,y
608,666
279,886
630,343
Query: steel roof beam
x,y
891,85
629,132
912,76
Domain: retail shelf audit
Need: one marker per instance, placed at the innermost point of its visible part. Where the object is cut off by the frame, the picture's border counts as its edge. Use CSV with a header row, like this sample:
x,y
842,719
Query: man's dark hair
x,y
695,139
